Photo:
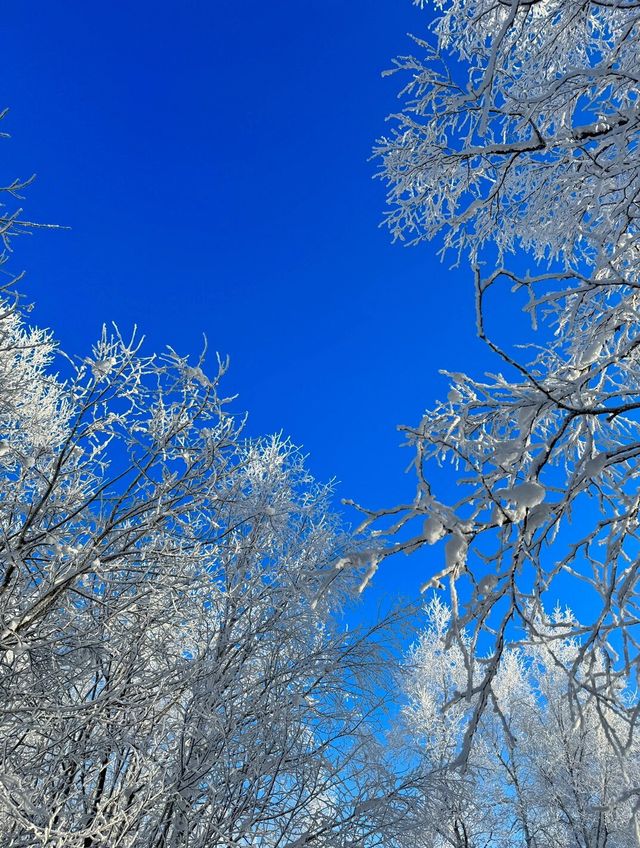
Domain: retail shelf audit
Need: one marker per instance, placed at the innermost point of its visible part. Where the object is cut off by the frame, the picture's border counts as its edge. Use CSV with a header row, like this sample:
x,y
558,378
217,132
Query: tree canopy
x,y
518,144
173,669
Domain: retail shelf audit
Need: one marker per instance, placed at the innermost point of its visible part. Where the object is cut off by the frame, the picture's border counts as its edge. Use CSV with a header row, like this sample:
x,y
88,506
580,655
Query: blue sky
x,y
211,161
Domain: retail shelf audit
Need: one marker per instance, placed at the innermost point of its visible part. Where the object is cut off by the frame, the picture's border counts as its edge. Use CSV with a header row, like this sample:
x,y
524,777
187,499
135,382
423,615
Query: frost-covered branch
x,y
519,143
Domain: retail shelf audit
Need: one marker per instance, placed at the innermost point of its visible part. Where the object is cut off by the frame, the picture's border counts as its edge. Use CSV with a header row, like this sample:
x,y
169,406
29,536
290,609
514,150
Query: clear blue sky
x,y
211,162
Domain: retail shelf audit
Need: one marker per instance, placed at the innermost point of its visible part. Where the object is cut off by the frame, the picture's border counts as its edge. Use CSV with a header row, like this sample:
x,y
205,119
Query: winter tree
x,y
518,146
172,671
540,772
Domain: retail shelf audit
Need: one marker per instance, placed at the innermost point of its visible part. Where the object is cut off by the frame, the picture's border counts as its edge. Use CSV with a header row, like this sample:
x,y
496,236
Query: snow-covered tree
x,y
518,144
541,771
173,670
170,673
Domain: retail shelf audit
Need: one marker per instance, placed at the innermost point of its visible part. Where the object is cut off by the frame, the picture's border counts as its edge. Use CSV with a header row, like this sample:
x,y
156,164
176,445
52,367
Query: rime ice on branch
x,y
541,768
171,669
520,137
